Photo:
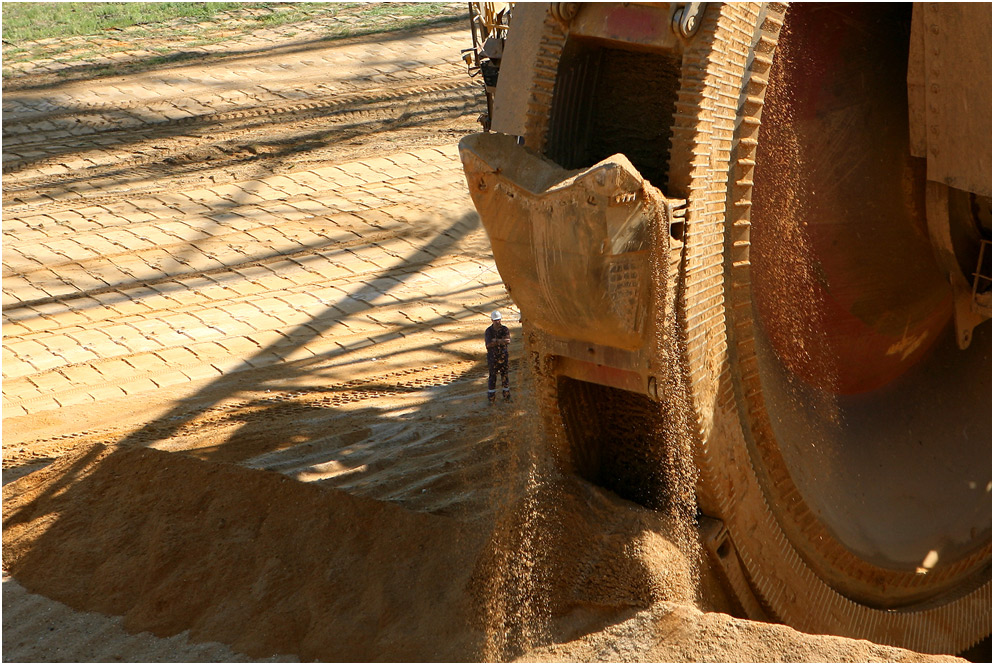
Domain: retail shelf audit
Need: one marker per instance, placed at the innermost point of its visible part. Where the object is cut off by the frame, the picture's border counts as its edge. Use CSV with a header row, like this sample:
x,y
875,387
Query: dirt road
x,y
264,262
180,246
266,257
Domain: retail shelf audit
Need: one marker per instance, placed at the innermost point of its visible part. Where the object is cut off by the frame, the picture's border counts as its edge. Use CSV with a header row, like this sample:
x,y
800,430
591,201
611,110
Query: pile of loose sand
x,y
248,558
681,633
270,565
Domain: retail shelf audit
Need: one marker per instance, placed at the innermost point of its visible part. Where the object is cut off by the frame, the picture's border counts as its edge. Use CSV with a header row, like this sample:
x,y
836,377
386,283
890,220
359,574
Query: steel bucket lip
x,y
572,246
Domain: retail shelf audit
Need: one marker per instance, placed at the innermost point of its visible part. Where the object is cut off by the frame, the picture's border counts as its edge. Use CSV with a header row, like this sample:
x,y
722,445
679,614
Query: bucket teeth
x,y
619,199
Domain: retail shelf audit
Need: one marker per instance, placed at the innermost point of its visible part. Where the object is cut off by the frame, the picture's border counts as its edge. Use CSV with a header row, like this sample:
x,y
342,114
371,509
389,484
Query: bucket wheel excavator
x,y
765,230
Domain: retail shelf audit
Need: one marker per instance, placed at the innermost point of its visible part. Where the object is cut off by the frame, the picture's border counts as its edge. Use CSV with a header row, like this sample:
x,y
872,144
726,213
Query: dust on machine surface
x,y
771,224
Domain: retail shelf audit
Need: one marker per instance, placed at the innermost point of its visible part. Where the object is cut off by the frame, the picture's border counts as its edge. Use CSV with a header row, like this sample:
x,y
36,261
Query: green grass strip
x,y
29,21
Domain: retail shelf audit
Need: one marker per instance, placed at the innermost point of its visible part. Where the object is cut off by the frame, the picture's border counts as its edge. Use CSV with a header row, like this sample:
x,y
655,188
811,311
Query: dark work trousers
x,y
497,366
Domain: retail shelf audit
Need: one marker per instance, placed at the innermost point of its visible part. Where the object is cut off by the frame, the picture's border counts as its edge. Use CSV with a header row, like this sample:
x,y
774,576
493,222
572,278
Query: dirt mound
x,y
682,634
270,565
248,558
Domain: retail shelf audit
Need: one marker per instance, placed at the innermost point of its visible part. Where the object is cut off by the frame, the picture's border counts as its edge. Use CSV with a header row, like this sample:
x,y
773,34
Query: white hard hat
x,y
495,315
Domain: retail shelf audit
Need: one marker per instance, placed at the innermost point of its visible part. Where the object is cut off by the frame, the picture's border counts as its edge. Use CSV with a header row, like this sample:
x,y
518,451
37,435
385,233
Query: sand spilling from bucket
x,y
564,559
562,553
676,429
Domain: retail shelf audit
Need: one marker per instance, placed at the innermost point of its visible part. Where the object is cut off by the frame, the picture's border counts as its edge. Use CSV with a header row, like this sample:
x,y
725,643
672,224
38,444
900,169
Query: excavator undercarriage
x,y
774,224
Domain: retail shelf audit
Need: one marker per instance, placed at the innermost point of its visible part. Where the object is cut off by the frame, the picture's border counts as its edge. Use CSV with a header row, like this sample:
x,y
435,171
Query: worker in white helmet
x,y
497,338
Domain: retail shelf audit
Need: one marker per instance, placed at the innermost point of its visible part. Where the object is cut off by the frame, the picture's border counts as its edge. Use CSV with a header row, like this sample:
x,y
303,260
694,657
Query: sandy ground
x,y
243,386
37,629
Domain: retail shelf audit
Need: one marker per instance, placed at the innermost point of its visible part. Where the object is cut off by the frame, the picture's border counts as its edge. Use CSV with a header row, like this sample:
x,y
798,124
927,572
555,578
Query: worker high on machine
x,y
497,338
